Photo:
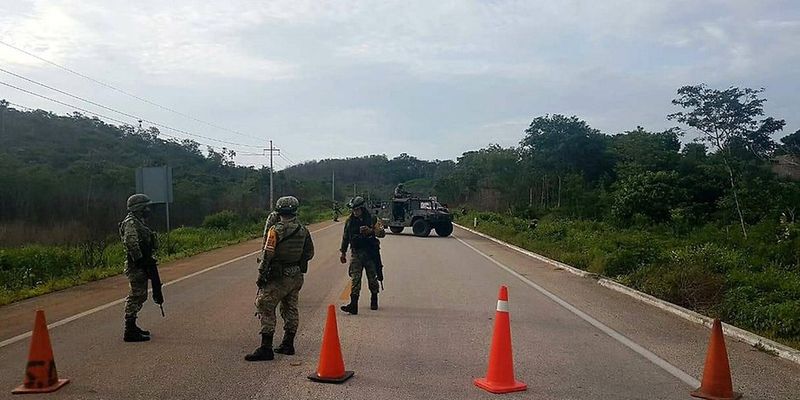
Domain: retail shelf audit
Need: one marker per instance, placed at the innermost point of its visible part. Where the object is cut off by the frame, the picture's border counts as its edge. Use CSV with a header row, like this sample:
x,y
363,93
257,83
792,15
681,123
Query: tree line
x,y
73,172
734,172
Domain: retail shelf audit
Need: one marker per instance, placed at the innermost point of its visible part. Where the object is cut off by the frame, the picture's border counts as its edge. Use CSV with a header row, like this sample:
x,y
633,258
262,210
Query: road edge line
x,y
622,339
744,336
568,268
110,304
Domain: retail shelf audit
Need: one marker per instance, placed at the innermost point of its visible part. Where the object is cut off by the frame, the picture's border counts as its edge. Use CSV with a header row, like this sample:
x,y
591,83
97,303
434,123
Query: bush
x,y
632,252
695,287
751,283
222,220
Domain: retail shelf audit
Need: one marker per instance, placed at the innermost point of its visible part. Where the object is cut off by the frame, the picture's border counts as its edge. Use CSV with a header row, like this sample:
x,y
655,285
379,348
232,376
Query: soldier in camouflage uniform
x,y
140,244
287,249
337,212
360,233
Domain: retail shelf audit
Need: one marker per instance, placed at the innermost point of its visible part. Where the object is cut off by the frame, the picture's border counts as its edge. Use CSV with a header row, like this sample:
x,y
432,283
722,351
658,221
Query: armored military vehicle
x,y
420,213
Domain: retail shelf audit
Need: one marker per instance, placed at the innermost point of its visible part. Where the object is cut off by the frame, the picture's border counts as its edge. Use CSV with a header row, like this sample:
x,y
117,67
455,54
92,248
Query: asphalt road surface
x,y
572,338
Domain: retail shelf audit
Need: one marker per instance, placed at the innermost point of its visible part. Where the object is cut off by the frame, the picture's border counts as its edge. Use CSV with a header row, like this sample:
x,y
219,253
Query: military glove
x,y
364,230
343,259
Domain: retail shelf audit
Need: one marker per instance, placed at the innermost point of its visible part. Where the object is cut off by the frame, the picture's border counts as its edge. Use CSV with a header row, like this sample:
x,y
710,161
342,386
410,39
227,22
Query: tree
x,y
640,150
728,117
563,146
567,144
791,143
652,194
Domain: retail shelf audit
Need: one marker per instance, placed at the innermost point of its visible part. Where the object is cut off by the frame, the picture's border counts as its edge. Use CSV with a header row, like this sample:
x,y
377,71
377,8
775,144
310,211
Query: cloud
x,y
454,75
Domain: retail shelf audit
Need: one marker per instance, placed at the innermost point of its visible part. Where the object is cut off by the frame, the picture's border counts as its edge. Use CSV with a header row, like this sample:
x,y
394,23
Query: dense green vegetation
x,y
36,269
708,270
709,223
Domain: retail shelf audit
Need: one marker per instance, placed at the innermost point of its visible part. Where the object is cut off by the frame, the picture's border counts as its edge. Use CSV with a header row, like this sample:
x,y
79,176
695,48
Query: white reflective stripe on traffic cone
x,y
502,305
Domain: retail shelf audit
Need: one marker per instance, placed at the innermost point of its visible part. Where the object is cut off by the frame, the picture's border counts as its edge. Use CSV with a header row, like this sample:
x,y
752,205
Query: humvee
x,y
420,213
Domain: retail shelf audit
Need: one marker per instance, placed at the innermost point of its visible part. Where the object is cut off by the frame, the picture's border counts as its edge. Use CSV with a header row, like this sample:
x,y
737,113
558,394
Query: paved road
x,y
429,339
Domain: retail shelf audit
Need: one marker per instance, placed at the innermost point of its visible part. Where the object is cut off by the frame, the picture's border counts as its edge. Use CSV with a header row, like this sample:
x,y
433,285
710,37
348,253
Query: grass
x,y
753,284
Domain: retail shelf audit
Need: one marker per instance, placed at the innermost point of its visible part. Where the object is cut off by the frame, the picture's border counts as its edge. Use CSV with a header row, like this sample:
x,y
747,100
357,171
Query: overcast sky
x,y
430,78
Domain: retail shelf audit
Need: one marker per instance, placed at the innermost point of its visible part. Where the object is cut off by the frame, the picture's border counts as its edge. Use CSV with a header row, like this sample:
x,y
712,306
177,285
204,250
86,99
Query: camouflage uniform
x,y
139,242
363,256
287,249
400,192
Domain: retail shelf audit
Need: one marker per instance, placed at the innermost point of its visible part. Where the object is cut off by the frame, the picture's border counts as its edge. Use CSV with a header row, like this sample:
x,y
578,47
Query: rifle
x,y
151,270
375,252
264,272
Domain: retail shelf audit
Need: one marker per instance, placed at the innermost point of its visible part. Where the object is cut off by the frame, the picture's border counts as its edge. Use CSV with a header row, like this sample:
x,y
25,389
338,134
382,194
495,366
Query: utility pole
x,y
333,185
272,150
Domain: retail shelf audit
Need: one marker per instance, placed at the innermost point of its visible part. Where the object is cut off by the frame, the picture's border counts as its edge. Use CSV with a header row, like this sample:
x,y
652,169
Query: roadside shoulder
x,y
739,334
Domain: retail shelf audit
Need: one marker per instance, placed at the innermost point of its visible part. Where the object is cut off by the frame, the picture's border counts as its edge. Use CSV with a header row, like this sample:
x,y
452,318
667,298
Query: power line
x,y
97,115
129,115
114,88
288,158
114,110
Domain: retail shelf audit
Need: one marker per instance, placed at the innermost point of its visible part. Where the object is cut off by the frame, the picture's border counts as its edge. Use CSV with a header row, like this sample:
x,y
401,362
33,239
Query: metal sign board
x,y
155,182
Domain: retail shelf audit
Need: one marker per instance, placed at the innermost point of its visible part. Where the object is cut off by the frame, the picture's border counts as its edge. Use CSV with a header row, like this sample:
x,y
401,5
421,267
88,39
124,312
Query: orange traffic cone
x,y
716,383
331,364
40,374
500,374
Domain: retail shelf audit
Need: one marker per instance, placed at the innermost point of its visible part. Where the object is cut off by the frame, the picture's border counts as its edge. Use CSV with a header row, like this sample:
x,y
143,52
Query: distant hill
x,y
70,176
374,176
66,169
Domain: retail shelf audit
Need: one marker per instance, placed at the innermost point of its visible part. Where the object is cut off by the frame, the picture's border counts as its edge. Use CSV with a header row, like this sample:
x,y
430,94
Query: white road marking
x,y
660,362
122,300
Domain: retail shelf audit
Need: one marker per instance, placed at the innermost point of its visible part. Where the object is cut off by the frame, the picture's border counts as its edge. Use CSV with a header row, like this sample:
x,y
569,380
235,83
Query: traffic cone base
x,y
46,389
699,394
499,389
500,372
331,364
316,378
41,375
716,383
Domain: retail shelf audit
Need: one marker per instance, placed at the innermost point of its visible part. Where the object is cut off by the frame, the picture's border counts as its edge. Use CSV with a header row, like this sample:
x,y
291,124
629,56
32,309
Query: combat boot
x,y
140,330
264,352
132,333
373,302
287,345
351,308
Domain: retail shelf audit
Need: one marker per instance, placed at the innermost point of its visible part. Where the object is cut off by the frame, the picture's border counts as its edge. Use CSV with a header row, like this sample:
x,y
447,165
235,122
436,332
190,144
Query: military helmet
x,y
138,202
287,205
356,202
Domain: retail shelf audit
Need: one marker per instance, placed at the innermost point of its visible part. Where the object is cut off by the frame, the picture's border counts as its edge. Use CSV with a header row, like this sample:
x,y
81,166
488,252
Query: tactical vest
x,y
289,249
147,238
357,240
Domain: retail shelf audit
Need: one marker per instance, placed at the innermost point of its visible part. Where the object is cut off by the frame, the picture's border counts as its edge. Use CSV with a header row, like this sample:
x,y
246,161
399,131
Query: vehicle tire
x,y
421,228
396,229
445,229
